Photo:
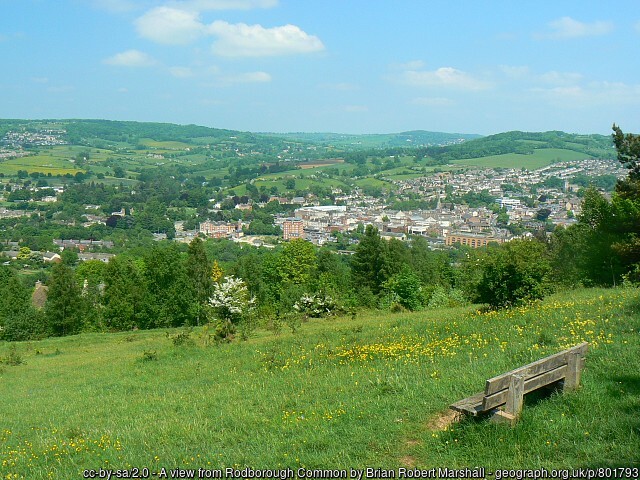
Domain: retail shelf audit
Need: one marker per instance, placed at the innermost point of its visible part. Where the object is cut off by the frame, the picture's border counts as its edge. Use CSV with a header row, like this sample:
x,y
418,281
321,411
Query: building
x,y
217,229
473,241
292,228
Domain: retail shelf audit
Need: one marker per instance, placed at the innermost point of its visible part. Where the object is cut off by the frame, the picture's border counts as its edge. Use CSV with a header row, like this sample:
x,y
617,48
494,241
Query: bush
x,y
318,305
441,297
516,272
405,289
231,300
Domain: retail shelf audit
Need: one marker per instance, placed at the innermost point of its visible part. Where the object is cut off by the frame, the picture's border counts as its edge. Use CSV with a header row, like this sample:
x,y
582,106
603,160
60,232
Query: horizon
x,y
278,66
294,132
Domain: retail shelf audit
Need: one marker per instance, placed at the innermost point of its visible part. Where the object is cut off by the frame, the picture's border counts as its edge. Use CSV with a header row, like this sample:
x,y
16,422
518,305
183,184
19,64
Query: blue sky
x,y
350,66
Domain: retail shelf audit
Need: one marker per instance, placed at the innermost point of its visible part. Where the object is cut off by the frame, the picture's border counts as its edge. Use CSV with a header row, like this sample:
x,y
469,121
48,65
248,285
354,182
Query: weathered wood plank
x,y
575,364
501,382
530,384
471,405
515,396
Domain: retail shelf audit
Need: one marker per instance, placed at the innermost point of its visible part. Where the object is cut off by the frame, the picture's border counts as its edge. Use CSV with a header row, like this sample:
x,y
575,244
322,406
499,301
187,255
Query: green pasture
x,y
38,163
540,158
164,145
343,392
372,182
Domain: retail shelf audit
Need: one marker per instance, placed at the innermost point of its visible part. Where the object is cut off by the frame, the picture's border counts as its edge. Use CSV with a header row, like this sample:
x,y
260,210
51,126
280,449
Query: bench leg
x,y
515,399
574,371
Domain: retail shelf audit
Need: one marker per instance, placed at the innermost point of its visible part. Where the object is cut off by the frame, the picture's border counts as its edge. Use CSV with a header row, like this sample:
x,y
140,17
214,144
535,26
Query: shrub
x,y
13,358
230,300
405,288
441,297
517,272
181,339
220,331
317,305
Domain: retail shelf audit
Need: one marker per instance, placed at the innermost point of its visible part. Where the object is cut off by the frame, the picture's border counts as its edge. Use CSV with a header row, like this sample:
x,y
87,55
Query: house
x,y
51,257
39,295
103,257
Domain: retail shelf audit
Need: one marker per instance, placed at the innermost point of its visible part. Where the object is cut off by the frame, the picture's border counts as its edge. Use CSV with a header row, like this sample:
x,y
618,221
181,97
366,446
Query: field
x,y
540,158
347,392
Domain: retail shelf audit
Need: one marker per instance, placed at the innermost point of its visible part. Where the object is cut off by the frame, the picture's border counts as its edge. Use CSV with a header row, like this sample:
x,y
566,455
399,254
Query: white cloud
x,y
432,101
593,94
242,40
40,80
559,78
447,77
181,72
170,26
515,72
637,27
131,58
226,80
250,77
567,27
412,65
203,5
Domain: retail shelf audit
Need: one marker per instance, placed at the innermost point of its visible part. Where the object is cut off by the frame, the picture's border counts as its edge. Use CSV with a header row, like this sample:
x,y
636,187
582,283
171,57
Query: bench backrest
x,y
537,374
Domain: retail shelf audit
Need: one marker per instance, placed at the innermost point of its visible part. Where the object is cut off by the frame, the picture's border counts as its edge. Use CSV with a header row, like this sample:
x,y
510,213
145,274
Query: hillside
x,y
338,393
525,143
112,152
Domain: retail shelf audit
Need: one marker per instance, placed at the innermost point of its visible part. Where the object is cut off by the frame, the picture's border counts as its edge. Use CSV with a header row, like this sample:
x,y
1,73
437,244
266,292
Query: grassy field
x,y
540,158
339,393
167,145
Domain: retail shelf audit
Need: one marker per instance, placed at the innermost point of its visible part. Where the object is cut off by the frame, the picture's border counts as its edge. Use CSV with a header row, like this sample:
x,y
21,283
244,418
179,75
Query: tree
x,y
64,308
628,148
405,289
367,264
125,295
515,272
173,301
18,319
231,300
296,261
199,272
118,172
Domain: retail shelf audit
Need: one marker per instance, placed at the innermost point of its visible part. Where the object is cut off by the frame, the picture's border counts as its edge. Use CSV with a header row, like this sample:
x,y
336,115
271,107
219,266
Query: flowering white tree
x,y
231,299
316,305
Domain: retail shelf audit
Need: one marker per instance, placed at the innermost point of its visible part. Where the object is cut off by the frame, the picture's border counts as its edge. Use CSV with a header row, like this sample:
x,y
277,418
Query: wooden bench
x,y
509,388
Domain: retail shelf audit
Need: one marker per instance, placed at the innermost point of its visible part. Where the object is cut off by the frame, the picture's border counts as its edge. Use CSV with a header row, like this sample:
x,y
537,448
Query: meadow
x,y
370,390
540,158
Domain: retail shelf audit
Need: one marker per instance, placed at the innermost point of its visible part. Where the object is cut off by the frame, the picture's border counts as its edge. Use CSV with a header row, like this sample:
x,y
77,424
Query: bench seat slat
x,y
471,405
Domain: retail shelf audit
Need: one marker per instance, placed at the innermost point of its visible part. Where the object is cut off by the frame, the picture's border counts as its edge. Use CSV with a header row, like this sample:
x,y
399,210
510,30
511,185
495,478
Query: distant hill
x,y
415,138
523,143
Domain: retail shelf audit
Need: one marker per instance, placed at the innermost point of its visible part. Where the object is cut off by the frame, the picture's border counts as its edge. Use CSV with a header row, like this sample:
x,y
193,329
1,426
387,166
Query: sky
x,y
344,66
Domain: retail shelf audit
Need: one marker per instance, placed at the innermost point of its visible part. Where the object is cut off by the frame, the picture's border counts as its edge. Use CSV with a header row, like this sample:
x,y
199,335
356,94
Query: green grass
x,y
338,393
50,162
167,145
538,159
